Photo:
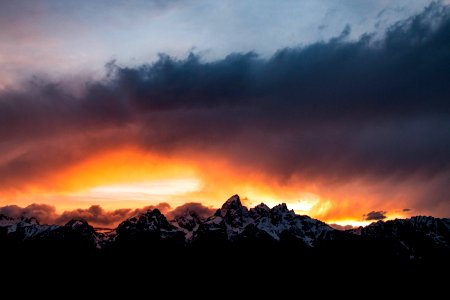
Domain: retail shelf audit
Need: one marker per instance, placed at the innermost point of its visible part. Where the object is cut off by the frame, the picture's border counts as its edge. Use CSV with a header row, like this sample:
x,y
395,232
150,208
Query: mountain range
x,y
234,226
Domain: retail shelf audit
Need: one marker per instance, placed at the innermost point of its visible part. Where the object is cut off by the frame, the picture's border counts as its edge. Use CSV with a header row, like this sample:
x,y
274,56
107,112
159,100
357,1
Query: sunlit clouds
x,y
342,114
133,178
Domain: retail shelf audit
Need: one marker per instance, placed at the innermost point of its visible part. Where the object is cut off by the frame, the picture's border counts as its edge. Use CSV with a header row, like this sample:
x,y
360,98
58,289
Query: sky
x,y
338,108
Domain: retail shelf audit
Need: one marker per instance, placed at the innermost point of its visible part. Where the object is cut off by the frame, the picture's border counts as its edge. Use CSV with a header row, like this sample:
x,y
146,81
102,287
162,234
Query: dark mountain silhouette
x,y
234,239
235,225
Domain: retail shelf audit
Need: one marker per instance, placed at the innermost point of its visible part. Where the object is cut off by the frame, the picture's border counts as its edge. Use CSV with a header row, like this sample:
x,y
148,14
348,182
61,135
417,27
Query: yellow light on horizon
x,y
358,223
305,204
144,190
354,223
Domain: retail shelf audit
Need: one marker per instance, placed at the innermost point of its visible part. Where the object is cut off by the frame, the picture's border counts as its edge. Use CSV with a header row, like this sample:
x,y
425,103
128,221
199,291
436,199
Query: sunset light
x,y
145,191
232,144
322,111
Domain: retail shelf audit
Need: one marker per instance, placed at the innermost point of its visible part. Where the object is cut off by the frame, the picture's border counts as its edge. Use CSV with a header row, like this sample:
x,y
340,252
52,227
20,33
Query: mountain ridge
x,y
235,225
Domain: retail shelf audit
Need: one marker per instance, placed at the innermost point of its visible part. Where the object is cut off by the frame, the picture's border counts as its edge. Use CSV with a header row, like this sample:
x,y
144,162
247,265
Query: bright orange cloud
x,y
130,177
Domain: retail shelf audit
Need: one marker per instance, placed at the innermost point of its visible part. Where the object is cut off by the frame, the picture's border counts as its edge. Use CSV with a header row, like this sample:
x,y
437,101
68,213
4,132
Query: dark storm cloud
x,y
368,106
336,110
375,215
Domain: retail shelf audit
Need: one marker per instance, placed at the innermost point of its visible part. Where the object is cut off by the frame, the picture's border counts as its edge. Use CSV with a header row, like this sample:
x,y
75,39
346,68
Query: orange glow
x,y
125,177
351,222
132,178
358,223
159,187
121,166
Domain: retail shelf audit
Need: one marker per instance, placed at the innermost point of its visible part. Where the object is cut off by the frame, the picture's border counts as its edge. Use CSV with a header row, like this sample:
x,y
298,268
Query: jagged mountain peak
x,y
281,208
417,222
262,207
280,212
153,216
153,212
234,202
260,210
429,222
80,227
234,223
150,221
232,209
412,234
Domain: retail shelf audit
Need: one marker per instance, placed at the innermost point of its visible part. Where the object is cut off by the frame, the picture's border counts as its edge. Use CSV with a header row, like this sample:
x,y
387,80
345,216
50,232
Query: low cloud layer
x,y
97,216
44,213
100,217
336,111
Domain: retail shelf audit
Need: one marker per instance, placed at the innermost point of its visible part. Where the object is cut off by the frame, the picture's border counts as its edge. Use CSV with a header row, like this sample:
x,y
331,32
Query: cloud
x,y
44,213
95,215
373,109
198,209
375,215
406,209
163,207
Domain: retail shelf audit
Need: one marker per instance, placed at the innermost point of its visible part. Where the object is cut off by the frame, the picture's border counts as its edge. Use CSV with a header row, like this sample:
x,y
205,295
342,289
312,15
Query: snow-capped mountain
x,y
234,224
414,236
30,231
188,222
149,225
234,221
25,228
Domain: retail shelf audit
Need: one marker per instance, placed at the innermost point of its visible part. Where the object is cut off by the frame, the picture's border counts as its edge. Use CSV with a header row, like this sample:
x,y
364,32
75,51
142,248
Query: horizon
x,y
101,219
339,110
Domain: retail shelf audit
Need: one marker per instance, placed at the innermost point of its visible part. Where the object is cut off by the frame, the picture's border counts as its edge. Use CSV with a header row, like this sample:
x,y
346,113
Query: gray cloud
x,y
375,215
